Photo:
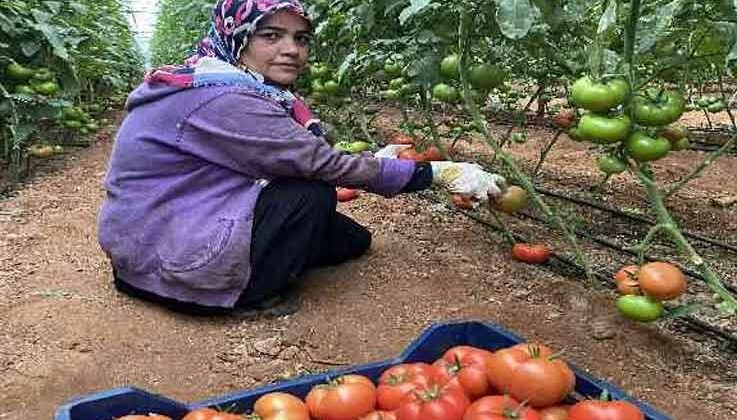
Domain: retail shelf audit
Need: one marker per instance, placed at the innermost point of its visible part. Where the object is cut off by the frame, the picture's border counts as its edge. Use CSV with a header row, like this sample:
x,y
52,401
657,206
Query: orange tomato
x,y
344,398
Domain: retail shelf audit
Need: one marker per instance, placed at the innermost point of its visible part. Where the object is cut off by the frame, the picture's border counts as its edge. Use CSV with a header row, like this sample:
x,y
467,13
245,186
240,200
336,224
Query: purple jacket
x,y
185,173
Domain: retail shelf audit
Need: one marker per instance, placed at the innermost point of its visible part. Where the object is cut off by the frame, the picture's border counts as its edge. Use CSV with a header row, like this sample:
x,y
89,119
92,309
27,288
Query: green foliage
x,y
180,25
56,53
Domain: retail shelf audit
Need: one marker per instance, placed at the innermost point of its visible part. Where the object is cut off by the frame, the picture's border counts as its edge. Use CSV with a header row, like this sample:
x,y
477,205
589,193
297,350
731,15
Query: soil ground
x,y
65,331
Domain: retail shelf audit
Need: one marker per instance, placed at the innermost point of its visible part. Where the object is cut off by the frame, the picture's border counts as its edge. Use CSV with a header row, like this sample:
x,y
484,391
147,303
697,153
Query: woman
x,y
221,188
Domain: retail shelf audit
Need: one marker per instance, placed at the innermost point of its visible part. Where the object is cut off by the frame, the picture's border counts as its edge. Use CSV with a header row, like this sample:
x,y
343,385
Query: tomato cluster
x,y
483,77
525,382
629,125
643,288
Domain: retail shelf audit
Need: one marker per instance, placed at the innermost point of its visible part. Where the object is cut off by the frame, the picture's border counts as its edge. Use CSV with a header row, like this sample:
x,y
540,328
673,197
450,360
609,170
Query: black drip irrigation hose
x,y
604,276
613,245
642,219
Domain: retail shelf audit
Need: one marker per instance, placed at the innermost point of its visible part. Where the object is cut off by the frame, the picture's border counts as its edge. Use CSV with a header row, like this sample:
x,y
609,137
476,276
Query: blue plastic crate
x,y
429,346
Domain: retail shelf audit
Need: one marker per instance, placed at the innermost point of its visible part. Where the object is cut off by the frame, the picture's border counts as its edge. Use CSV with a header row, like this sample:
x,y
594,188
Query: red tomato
x,y
556,412
605,410
462,202
398,381
410,154
400,138
626,279
142,417
432,153
528,373
345,398
379,415
211,414
280,406
434,402
531,253
465,366
500,407
347,194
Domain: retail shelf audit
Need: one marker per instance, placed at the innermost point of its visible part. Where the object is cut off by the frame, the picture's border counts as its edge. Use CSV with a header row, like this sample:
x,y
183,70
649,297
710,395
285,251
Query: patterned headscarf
x,y
233,22
216,61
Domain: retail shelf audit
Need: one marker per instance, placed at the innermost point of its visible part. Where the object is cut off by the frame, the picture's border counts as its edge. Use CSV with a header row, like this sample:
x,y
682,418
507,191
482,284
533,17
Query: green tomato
x,y
47,88
604,130
396,83
58,148
359,146
449,67
673,132
657,110
319,70
18,72
331,87
445,93
317,86
680,144
717,106
704,101
93,126
575,134
485,77
24,89
644,148
84,131
610,164
519,138
392,69
72,124
392,94
71,113
343,146
599,96
639,308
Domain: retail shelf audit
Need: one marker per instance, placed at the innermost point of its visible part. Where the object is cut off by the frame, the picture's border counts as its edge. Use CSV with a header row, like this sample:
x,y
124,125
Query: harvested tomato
x,y
379,415
500,407
398,381
512,200
434,402
210,414
605,410
400,138
347,194
661,281
280,406
462,201
409,154
626,279
528,373
556,412
531,253
344,398
465,366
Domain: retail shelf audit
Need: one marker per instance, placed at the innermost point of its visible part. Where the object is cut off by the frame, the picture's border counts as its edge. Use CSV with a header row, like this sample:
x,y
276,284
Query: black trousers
x,y
296,227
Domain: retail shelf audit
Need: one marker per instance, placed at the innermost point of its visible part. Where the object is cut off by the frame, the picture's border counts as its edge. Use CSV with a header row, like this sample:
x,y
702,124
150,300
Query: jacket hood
x,y
148,92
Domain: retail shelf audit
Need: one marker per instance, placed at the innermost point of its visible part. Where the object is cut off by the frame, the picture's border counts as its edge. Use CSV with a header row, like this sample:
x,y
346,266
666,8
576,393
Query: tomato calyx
x,y
396,379
431,393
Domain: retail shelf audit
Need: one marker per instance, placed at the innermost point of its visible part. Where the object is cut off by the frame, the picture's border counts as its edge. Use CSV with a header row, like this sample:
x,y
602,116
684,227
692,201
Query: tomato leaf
x,y
51,33
514,17
30,48
609,17
415,7
653,27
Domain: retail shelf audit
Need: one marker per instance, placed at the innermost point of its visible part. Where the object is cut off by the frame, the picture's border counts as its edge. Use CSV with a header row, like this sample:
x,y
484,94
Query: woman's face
x,y
279,48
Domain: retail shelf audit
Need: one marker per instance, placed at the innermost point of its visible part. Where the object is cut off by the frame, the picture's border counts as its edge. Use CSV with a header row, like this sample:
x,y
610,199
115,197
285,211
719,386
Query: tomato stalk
x,y
667,224
506,159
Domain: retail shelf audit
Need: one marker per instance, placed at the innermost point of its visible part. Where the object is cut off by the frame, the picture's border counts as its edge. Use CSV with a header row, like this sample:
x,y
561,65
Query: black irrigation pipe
x,y
605,278
641,219
613,245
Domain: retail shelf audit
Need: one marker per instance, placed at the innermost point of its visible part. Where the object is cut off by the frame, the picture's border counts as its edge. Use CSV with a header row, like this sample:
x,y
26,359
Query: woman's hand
x,y
468,179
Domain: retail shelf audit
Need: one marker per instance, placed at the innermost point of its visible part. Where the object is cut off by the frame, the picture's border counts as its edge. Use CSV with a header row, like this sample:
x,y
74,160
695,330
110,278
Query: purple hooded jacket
x,y
184,177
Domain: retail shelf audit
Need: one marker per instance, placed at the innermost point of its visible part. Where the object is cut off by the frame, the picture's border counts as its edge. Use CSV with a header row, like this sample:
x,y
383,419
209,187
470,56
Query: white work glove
x,y
468,179
391,151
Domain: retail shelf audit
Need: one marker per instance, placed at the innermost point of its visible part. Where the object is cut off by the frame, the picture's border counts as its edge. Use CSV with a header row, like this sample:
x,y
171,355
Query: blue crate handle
x,y
429,346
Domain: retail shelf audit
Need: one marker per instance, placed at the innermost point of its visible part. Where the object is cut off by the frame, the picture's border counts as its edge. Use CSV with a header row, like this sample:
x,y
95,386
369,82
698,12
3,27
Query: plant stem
x,y
669,225
726,101
544,153
629,39
697,171
506,159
